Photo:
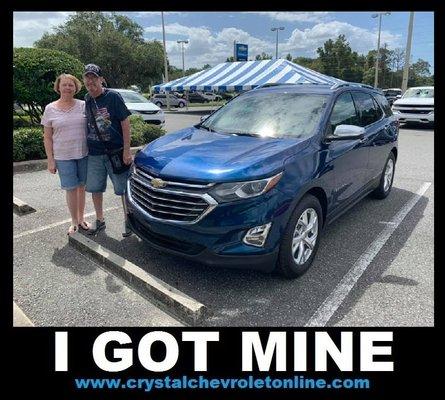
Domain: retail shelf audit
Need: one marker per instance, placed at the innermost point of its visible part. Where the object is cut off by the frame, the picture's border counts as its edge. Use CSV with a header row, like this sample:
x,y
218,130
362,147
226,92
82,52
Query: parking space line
x,y
331,304
20,318
44,228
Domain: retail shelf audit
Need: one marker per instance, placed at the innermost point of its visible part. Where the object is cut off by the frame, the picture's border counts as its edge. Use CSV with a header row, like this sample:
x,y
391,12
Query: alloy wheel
x,y
305,236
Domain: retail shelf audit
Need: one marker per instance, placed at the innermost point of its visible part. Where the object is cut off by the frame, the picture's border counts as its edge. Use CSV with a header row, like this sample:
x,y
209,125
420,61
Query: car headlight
x,y
232,191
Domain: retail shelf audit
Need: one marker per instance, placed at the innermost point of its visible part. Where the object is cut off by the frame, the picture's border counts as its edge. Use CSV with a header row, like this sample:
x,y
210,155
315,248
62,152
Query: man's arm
x,y
126,135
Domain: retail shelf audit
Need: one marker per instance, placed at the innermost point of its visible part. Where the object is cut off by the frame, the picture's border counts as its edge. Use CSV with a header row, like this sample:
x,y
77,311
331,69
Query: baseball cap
x,y
92,69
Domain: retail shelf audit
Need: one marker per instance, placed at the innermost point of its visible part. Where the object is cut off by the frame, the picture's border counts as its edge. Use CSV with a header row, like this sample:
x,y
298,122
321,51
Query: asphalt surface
x,y
56,285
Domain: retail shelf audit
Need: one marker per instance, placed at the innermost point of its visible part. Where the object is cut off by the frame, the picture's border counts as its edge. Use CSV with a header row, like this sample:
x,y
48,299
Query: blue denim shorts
x,y
99,167
72,173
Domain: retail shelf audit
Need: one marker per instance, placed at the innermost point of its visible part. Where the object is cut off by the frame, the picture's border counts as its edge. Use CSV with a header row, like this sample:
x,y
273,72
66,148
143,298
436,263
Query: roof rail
x,y
271,84
341,84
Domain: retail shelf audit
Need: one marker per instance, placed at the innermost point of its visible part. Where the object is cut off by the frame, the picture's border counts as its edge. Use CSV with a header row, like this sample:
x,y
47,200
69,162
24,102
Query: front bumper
x,y
410,117
217,239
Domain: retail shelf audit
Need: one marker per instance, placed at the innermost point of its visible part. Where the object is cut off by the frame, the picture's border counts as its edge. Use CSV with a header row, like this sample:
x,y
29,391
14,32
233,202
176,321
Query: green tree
x,y
337,59
112,41
263,56
35,71
289,57
230,59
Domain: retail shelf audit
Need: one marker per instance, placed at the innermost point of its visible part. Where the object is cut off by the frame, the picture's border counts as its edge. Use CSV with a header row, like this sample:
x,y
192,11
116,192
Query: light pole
x,y
281,28
407,53
165,61
376,76
182,42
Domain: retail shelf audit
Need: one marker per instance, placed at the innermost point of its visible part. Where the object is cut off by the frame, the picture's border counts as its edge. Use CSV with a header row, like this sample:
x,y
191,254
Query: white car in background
x,y
416,105
139,105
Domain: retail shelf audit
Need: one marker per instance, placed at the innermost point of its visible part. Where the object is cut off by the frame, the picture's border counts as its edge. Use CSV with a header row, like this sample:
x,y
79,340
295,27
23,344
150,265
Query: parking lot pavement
x,y
395,289
174,122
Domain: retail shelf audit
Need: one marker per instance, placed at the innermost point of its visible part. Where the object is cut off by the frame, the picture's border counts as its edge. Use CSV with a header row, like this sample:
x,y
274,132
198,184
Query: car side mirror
x,y
347,132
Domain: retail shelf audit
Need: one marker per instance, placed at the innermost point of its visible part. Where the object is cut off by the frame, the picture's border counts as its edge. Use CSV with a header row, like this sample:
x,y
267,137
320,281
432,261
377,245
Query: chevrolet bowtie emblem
x,y
158,183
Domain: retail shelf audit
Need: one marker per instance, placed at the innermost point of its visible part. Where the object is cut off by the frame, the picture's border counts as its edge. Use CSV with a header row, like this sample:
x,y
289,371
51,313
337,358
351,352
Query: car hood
x,y
414,100
198,155
142,106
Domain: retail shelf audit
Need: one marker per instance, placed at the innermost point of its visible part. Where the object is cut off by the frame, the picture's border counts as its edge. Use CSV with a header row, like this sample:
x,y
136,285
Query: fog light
x,y
257,236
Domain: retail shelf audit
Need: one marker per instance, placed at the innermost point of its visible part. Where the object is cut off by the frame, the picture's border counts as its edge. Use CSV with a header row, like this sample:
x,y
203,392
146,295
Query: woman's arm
x,y
48,142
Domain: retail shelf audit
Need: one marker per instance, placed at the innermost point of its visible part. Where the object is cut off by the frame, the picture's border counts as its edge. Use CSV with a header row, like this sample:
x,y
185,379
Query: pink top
x,y
69,130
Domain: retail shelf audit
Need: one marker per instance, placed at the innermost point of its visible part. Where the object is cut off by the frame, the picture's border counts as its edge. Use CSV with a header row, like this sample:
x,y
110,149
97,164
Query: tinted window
x,y
366,108
344,112
383,101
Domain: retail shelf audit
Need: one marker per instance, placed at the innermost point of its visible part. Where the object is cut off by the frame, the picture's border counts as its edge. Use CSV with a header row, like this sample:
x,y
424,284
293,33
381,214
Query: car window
x,y
270,114
383,101
344,112
426,93
366,107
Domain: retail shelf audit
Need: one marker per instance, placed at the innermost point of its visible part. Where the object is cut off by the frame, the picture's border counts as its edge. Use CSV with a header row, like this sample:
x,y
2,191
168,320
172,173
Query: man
x,y
106,112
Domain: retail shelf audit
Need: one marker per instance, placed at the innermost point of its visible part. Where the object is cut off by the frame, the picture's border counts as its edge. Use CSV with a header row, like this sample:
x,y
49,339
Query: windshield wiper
x,y
244,134
204,127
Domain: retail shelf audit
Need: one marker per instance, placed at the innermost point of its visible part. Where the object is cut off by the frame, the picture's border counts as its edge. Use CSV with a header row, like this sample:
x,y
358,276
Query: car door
x,y
348,158
371,118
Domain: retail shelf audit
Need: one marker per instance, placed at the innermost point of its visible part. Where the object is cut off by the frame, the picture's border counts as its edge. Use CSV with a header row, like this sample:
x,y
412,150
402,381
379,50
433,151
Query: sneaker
x,y
100,226
127,230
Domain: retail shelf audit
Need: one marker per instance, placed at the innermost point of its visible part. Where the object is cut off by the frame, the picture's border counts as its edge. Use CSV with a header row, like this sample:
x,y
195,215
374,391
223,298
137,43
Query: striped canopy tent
x,y
245,75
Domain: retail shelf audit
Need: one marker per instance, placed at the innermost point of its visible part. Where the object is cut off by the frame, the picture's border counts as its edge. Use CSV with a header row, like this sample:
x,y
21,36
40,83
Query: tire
x,y
294,264
385,183
181,104
159,104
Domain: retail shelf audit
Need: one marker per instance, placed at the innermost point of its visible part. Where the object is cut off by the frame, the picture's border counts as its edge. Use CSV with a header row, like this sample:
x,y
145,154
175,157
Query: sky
x,y
211,34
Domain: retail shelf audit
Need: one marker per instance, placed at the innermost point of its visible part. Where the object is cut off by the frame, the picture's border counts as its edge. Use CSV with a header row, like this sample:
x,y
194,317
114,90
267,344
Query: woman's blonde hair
x,y
69,76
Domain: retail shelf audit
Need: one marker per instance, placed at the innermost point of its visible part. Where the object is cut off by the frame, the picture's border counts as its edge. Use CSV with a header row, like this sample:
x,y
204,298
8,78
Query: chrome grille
x,y
175,202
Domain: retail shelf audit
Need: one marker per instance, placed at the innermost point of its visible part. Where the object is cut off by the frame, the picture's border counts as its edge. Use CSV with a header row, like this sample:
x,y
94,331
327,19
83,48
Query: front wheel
x,y
181,104
301,238
386,178
159,104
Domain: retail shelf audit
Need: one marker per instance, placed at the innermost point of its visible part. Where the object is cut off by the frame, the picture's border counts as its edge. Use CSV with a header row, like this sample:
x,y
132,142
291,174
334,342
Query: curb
x,y
176,302
20,207
40,165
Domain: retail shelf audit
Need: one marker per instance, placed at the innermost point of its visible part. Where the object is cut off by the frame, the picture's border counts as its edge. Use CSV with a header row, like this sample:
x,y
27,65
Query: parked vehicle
x,y
392,94
139,105
416,105
255,183
160,100
196,97
212,96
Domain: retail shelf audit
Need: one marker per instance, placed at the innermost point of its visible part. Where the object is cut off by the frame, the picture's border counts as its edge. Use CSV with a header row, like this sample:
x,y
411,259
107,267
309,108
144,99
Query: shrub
x,y
21,121
143,133
28,144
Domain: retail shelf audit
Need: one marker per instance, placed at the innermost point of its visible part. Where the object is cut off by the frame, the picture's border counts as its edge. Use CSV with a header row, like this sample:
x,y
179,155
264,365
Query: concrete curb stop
x,y
176,302
20,207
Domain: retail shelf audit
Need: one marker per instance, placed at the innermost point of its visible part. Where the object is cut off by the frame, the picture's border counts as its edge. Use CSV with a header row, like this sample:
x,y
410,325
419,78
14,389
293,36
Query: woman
x,y
65,142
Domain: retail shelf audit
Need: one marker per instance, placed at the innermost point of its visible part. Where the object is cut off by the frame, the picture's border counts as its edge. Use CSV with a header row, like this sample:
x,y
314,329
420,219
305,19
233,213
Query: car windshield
x,y
269,115
132,97
427,93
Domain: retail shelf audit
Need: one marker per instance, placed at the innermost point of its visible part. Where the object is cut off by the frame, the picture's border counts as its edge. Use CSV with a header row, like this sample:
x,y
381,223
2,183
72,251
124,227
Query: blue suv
x,y
255,182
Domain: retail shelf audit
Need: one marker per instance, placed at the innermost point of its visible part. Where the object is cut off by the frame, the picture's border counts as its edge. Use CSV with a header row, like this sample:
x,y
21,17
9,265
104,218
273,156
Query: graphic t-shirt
x,y
108,110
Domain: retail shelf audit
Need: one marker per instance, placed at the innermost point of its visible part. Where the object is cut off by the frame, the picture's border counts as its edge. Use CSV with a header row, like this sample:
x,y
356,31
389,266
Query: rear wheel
x,y
301,238
181,104
386,178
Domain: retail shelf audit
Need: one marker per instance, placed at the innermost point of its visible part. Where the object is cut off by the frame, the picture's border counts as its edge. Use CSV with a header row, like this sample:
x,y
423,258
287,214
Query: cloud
x,y
30,26
360,39
295,16
205,46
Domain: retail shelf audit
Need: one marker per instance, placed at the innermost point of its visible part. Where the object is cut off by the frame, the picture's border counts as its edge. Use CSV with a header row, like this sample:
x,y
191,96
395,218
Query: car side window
x,y
366,107
344,112
379,112
385,105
